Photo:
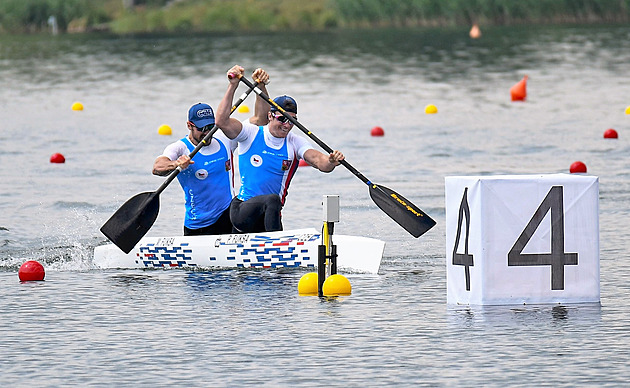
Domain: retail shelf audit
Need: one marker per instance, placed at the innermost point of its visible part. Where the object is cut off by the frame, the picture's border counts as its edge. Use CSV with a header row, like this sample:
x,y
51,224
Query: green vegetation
x,y
33,15
233,15
486,12
139,16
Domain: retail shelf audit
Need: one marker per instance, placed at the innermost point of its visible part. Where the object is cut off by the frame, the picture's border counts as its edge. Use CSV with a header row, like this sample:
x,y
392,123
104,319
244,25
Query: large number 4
x,y
557,259
465,258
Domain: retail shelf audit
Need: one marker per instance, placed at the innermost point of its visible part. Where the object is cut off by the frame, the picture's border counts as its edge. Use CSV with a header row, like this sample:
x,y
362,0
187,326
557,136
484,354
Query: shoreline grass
x,y
176,16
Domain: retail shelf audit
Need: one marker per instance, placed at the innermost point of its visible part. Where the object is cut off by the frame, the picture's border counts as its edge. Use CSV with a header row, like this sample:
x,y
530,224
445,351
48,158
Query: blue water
x,y
88,327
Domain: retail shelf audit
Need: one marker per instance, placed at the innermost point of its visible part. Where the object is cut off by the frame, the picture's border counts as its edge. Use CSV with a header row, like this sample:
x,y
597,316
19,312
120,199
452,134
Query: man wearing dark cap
x,y
268,158
206,181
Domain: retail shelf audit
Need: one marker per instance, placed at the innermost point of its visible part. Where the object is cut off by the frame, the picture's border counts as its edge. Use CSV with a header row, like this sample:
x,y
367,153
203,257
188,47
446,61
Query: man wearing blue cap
x,y
206,181
268,158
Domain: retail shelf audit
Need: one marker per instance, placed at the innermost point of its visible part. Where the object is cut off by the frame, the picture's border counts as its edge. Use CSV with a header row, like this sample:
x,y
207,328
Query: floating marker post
x,y
327,251
321,268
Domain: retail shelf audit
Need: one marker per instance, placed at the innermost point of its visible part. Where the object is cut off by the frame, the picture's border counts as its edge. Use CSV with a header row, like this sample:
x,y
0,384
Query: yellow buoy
x,y
77,106
308,284
243,109
164,130
628,110
336,285
430,109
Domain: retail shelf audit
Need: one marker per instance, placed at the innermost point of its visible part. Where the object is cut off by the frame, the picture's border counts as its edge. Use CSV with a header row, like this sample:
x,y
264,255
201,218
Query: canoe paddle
x,y
136,216
400,209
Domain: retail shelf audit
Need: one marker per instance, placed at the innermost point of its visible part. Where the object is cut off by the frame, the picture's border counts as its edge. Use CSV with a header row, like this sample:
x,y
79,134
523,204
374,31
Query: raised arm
x,y
230,126
262,107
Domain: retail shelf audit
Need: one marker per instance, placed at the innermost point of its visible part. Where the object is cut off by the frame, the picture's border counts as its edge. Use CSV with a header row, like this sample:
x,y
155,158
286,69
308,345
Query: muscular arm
x,y
323,162
164,166
262,107
230,126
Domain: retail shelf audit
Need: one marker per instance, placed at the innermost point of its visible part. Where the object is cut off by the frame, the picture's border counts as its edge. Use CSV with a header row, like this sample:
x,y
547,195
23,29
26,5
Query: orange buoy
x,y
377,131
610,134
577,167
31,271
475,32
303,163
519,91
57,158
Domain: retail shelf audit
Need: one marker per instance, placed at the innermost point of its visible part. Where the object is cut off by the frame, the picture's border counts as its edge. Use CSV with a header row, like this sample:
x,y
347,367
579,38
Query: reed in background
x,y
150,16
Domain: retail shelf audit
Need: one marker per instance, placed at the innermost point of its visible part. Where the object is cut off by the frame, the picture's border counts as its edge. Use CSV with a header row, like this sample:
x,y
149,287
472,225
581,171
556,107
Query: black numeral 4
x,y
557,259
465,258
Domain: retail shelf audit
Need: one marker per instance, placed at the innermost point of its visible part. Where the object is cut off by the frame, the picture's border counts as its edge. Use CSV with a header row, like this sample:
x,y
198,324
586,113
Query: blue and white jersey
x,y
267,163
207,183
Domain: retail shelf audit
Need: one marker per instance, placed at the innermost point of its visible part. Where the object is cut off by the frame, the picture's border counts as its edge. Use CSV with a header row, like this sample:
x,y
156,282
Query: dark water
x,y
230,327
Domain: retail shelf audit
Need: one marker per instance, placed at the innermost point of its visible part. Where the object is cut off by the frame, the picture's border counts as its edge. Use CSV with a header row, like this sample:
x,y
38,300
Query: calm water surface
x,y
87,327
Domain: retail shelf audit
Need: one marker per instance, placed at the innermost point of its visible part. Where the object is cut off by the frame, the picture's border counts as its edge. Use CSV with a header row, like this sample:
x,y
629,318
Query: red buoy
x,y
577,167
31,271
377,131
519,91
610,134
303,163
57,158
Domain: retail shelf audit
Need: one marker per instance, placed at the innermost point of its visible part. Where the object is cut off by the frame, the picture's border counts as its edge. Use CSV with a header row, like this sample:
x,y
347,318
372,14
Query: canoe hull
x,y
285,249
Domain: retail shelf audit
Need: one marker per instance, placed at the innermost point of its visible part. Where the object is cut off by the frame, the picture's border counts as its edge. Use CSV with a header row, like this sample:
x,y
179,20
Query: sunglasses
x,y
283,119
207,128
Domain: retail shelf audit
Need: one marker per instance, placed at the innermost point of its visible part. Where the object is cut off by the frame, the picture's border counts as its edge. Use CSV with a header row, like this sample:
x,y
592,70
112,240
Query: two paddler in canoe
x,y
268,158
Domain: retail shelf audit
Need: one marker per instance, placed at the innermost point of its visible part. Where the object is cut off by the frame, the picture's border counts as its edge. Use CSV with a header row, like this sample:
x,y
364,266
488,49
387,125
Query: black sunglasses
x,y
207,128
284,119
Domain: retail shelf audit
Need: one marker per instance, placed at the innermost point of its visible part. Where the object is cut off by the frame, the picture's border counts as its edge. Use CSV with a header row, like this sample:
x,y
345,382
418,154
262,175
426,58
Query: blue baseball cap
x,y
287,103
201,115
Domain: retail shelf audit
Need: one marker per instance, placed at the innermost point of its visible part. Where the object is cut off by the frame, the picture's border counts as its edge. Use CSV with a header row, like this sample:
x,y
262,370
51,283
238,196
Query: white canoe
x,y
290,248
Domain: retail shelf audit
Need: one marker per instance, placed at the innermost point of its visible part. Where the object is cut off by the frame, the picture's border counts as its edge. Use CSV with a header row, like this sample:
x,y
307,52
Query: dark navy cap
x,y
287,103
201,115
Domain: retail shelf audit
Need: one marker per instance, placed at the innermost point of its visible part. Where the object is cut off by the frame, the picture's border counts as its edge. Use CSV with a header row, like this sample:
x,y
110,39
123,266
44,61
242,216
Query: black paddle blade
x,y
132,221
401,210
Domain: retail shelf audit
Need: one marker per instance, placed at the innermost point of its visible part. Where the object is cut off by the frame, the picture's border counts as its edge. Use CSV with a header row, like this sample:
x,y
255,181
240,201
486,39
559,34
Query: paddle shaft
x,y
308,133
205,141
